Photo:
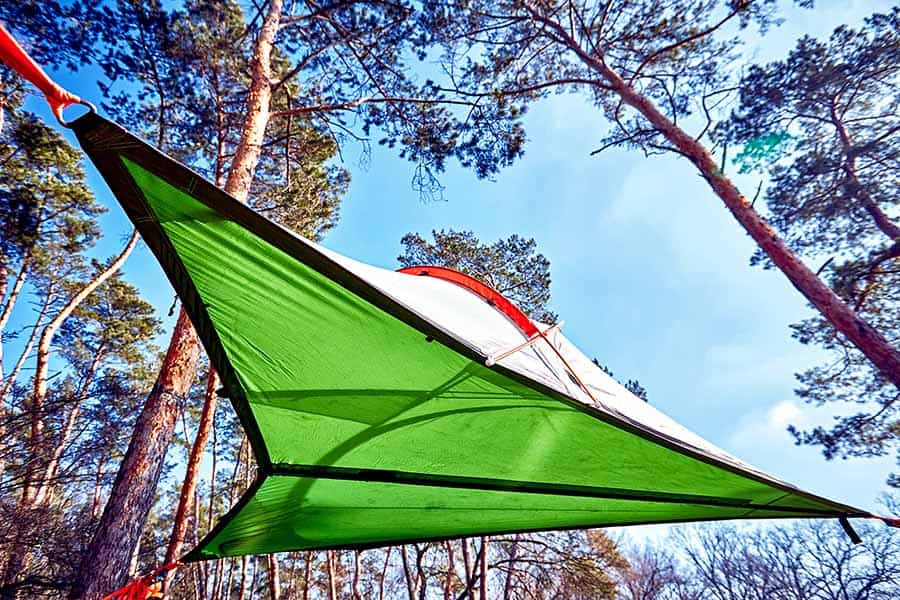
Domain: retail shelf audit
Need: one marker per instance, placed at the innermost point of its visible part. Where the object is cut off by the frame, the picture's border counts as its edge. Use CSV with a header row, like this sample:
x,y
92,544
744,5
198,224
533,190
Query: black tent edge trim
x,y
525,487
105,142
198,555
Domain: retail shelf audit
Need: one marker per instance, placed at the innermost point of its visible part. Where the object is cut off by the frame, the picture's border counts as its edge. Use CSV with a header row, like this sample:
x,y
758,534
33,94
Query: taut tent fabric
x,y
370,405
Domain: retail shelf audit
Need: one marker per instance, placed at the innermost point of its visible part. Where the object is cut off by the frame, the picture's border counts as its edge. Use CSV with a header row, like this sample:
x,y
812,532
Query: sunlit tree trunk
x,y
357,595
42,362
9,301
133,563
97,498
274,579
469,569
307,569
255,570
46,303
243,585
103,569
332,576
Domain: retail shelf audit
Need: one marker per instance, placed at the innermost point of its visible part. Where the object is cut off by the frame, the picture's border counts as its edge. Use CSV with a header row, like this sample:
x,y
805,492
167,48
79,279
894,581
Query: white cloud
x,y
769,427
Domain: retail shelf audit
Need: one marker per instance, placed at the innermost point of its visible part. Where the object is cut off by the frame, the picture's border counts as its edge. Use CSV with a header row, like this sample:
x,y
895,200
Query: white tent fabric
x,y
480,326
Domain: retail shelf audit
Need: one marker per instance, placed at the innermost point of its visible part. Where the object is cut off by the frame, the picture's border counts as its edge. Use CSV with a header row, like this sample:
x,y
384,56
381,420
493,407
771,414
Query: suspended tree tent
x,y
388,407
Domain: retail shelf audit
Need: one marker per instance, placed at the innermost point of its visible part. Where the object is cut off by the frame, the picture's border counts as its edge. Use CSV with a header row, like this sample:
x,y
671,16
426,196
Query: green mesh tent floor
x,y
369,406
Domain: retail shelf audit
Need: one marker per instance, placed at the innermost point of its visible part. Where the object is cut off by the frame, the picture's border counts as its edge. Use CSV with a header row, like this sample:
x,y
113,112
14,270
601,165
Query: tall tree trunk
x,y
332,576
191,473
231,491
11,377
274,583
513,551
255,569
451,571
357,595
469,569
421,576
483,569
226,581
42,364
410,584
307,568
246,154
865,337
8,302
105,562
242,590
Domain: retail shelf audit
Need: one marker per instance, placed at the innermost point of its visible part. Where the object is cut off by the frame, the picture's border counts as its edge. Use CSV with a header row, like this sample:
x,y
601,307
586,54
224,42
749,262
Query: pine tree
x,y
51,224
825,123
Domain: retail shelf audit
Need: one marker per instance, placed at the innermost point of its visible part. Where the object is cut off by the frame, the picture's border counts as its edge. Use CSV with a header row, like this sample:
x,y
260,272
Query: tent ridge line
x,y
442,538
516,486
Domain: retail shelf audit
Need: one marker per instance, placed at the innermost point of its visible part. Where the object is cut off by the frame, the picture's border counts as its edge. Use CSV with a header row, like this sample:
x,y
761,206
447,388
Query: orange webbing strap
x,y
143,588
17,59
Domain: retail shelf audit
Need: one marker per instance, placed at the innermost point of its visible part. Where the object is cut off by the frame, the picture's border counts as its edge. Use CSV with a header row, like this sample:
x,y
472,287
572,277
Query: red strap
x,y
889,521
17,59
142,588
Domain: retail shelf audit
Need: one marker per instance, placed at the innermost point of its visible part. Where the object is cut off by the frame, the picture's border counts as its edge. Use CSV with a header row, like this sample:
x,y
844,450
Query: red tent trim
x,y
492,296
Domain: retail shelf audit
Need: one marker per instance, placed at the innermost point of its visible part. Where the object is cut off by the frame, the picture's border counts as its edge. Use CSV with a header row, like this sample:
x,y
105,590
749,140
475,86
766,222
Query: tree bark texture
x,y
274,579
105,564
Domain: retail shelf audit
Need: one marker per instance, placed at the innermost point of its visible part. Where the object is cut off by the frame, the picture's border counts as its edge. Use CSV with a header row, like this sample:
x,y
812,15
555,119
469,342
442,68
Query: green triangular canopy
x,y
373,423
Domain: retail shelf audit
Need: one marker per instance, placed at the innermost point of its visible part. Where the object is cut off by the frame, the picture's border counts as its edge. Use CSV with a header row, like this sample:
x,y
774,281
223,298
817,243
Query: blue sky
x,y
650,272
